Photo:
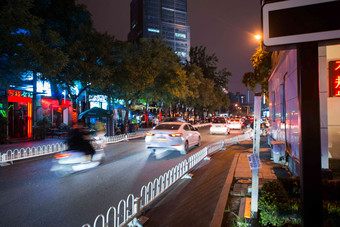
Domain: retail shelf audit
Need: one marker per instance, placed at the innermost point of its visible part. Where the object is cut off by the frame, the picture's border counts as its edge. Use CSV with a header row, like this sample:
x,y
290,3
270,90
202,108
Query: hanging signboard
x,y
299,21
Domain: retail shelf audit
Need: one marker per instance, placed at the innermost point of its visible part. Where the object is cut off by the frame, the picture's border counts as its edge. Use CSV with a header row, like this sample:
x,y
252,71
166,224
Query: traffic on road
x,y
34,195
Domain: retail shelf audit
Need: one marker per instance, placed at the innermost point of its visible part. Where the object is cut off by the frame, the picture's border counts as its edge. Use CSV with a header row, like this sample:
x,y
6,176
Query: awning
x,y
94,112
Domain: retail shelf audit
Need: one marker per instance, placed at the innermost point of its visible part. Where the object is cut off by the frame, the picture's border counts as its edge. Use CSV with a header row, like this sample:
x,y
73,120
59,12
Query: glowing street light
x,y
258,37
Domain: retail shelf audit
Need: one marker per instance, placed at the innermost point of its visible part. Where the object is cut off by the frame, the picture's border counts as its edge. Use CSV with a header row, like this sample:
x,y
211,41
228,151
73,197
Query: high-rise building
x,y
164,19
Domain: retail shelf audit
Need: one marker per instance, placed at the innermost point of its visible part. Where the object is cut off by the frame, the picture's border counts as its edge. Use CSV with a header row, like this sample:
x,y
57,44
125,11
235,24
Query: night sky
x,y
224,27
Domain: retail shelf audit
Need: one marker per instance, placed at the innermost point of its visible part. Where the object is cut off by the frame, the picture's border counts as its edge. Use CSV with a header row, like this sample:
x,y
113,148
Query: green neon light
x,y
3,113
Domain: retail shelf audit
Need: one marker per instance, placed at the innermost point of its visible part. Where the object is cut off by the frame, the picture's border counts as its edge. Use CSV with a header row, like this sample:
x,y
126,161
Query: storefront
x,y
56,110
19,114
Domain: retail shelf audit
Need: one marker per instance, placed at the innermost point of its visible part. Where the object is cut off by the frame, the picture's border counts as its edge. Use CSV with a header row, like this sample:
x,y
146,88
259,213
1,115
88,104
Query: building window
x,y
180,35
153,30
181,53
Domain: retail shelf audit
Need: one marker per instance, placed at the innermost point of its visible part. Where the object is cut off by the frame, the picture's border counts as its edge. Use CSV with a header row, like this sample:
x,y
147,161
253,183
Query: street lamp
x,y
258,37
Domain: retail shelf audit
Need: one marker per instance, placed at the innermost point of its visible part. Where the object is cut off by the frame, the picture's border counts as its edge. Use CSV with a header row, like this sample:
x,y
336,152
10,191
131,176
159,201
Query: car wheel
x,y
199,142
185,148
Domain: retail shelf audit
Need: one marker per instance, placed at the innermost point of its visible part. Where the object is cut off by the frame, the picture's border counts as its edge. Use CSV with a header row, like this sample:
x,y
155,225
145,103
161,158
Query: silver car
x,y
219,125
173,136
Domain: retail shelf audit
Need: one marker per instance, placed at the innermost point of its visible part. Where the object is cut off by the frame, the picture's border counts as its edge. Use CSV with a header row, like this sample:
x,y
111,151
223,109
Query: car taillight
x,y
175,134
150,134
225,125
63,155
211,125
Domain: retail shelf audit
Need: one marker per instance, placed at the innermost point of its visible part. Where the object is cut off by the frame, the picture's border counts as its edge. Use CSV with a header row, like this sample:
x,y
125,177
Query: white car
x,y
219,125
173,136
235,123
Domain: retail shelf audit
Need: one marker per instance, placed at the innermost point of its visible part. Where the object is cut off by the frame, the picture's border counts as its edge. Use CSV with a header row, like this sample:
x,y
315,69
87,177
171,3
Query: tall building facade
x,y
164,19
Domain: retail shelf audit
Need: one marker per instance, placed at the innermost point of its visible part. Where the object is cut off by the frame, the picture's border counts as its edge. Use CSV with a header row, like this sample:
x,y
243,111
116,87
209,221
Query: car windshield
x,y
218,120
167,127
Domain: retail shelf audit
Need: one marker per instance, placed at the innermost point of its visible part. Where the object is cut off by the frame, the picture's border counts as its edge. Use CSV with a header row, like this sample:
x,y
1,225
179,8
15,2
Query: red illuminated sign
x,y
334,78
16,93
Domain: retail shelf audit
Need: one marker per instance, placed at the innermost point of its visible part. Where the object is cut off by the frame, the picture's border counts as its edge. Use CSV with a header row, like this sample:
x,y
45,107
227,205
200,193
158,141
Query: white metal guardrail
x,y
30,152
35,151
127,211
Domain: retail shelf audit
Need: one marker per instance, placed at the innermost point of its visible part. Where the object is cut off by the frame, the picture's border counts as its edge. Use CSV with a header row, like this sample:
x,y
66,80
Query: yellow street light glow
x,y
258,37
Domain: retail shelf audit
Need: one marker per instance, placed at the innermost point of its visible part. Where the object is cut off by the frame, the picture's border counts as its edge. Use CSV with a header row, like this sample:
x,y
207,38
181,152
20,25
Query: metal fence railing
x,y
30,152
128,210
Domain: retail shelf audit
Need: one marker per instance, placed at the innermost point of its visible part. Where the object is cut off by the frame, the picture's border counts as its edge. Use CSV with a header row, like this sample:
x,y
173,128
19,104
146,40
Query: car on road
x,y
219,125
173,136
235,123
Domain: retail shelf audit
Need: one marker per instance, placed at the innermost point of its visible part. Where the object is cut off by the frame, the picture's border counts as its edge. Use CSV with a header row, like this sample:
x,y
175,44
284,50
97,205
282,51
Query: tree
x,y
148,70
24,45
262,65
80,42
250,80
208,64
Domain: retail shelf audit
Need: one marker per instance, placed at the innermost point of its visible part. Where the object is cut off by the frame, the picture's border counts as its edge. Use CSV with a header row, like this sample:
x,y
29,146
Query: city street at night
x,y
36,197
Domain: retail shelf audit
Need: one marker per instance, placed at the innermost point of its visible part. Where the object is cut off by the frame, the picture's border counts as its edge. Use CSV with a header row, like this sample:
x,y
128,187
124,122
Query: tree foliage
x,y
79,42
24,45
262,65
212,98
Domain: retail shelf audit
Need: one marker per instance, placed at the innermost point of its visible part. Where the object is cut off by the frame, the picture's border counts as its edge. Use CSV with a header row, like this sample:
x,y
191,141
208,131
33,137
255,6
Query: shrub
x,y
276,205
279,202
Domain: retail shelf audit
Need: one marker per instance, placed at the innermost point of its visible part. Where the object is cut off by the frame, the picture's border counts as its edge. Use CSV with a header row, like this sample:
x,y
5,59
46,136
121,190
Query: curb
x,y
222,201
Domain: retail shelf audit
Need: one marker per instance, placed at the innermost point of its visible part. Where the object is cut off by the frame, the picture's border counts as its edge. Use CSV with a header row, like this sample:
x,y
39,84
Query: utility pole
x,y
255,158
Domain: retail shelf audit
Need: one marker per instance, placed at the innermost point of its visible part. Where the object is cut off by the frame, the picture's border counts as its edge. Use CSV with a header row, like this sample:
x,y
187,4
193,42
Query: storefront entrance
x,y
19,117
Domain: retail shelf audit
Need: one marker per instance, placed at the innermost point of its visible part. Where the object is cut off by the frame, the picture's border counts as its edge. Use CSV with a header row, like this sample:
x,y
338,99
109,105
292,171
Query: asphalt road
x,y
31,195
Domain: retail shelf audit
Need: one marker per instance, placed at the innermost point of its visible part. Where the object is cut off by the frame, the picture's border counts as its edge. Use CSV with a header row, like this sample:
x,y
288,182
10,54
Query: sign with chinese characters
x,y
97,98
334,78
254,161
16,93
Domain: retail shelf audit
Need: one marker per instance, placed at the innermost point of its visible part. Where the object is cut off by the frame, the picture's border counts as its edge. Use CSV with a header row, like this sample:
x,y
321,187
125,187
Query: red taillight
x,y
175,134
63,155
211,125
150,134
225,125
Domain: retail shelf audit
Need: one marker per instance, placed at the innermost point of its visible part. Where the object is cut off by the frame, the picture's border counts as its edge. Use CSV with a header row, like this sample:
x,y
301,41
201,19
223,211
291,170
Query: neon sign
x,y
334,78
16,93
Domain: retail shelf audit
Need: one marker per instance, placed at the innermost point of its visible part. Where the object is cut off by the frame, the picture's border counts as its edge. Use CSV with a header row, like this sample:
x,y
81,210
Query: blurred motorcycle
x,y
70,161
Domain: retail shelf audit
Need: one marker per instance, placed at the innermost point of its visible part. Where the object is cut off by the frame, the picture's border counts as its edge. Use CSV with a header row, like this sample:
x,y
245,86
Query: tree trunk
x,y
126,119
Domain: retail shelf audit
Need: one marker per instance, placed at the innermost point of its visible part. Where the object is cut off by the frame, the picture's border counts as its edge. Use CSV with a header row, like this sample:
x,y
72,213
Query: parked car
x,y
235,123
219,125
173,136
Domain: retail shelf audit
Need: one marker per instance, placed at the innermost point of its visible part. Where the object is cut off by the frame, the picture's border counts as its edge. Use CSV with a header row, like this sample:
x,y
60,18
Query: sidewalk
x,y
202,200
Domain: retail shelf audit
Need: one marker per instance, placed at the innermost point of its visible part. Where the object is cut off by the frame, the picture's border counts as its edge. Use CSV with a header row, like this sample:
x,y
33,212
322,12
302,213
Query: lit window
x,y
181,53
153,30
180,35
